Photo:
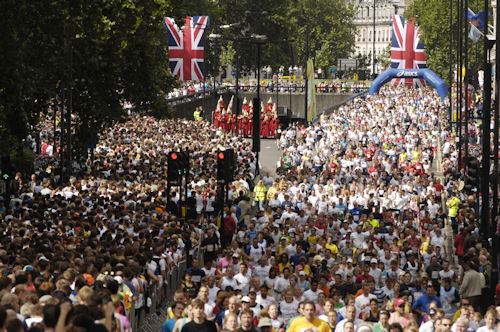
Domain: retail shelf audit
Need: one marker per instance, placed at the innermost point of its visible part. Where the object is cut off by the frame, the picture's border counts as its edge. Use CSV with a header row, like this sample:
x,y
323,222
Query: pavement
x,y
269,155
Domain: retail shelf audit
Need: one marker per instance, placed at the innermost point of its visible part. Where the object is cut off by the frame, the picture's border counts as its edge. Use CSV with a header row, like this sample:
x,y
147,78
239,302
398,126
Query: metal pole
x,y
460,91
56,106
494,217
290,94
70,111
373,36
277,92
485,176
237,82
258,108
450,78
466,65
305,68
62,133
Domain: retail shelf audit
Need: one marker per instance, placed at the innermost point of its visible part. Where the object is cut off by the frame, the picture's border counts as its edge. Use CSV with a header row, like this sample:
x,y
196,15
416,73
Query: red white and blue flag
x,y
407,50
186,47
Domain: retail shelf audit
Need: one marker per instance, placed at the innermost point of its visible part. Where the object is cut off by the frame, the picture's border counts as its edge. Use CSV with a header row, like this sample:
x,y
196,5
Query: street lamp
x,y
373,36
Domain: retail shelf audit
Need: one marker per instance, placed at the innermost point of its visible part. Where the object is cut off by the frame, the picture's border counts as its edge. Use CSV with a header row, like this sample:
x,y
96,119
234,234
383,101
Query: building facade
x,y
370,35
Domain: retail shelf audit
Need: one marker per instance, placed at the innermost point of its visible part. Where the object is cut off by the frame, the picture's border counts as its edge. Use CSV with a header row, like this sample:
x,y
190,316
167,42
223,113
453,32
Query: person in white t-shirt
x,y
243,278
362,302
312,293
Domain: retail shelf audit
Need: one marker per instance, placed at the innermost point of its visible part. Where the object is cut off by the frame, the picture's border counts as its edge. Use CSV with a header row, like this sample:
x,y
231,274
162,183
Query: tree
x,y
433,16
384,59
102,52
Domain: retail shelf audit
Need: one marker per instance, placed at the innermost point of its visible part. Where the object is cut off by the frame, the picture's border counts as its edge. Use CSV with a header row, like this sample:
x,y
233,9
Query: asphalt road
x,y
269,155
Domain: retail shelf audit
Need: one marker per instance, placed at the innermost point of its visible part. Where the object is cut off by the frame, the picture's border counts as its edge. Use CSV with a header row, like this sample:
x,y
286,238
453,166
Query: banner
x,y
407,50
311,92
186,47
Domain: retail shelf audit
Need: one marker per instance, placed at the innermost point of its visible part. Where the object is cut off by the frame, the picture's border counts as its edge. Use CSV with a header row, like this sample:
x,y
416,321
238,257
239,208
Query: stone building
x,y
382,31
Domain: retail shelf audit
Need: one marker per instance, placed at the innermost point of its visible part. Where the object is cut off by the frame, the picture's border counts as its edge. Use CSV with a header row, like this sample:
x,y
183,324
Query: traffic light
x,y
225,165
7,169
472,179
178,165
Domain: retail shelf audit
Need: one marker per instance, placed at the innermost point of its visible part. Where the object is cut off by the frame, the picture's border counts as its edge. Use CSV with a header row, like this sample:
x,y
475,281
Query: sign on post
x,y
344,64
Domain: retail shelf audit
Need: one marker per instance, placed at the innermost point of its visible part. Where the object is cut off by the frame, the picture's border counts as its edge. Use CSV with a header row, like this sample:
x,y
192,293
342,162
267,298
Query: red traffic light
x,y
173,156
221,155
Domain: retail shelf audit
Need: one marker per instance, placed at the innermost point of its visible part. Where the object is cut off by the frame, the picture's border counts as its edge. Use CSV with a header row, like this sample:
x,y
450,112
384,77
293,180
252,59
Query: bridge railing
x,y
282,88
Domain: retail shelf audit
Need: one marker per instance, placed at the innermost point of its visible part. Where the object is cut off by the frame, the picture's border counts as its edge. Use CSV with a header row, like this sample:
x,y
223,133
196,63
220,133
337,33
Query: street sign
x,y
344,64
233,72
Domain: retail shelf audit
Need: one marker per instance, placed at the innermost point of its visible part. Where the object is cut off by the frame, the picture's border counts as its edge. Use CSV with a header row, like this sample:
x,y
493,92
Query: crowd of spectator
x,y
349,235
76,256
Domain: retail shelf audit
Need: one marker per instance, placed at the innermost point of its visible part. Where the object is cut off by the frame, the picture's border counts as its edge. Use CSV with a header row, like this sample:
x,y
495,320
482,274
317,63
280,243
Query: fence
x,y
171,284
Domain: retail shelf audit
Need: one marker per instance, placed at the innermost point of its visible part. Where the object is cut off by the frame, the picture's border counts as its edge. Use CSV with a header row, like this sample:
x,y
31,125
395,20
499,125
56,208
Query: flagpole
x,y
466,64
373,36
494,217
485,171
459,85
305,70
450,74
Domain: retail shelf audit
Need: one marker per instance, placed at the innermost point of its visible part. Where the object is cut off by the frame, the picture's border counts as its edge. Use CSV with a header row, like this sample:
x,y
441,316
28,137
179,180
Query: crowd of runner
x,y
348,236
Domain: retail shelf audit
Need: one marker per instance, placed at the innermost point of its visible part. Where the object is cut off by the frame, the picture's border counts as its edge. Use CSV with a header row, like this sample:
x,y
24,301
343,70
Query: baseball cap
x,y
432,311
349,260
302,273
245,299
399,302
374,260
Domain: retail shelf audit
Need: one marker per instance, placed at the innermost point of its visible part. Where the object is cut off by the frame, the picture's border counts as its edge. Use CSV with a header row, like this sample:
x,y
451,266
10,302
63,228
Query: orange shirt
x,y
325,290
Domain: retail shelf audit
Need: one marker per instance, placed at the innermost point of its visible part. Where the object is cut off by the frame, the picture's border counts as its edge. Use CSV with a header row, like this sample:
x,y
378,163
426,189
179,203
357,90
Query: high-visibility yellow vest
x,y
196,115
260,193
453,204
270,192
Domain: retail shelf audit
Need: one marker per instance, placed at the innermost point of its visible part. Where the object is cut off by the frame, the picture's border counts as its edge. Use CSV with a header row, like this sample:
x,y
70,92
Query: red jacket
x,y
229,225
459,244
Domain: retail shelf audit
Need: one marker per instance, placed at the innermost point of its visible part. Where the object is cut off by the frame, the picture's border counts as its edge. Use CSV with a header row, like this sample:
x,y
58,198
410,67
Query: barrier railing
x,y
171,284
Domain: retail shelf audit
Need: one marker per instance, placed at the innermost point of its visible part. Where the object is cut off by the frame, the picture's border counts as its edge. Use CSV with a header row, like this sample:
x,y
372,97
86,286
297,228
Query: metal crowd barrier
x,y
171,284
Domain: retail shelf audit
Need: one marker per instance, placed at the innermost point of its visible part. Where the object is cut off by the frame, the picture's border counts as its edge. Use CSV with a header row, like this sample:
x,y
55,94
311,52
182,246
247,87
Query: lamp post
x,y
373,36
305,69
450,73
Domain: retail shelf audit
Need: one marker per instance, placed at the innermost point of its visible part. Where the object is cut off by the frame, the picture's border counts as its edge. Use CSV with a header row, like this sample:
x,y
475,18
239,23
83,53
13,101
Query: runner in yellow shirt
x,y
309,320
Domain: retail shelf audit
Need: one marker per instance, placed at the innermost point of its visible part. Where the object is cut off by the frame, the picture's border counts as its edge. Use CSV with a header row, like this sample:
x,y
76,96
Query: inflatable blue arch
x,y
427,74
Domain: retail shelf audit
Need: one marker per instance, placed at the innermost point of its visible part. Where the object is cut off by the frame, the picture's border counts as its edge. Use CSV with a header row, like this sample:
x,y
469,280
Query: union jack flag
x,y
407,50
186,47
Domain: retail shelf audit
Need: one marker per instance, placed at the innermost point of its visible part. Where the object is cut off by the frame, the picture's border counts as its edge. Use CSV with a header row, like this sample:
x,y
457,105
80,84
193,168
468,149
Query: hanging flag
x,y
477,23
407,50
311,92
477,20
186,47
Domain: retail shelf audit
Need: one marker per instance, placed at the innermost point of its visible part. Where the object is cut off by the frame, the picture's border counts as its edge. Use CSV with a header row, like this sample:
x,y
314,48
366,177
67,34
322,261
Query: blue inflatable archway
x,y
426,74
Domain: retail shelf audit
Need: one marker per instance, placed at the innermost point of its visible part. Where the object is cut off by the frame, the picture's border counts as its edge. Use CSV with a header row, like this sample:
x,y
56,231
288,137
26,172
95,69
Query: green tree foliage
x,y
104,51
331,31
384,59
433,16
284,23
